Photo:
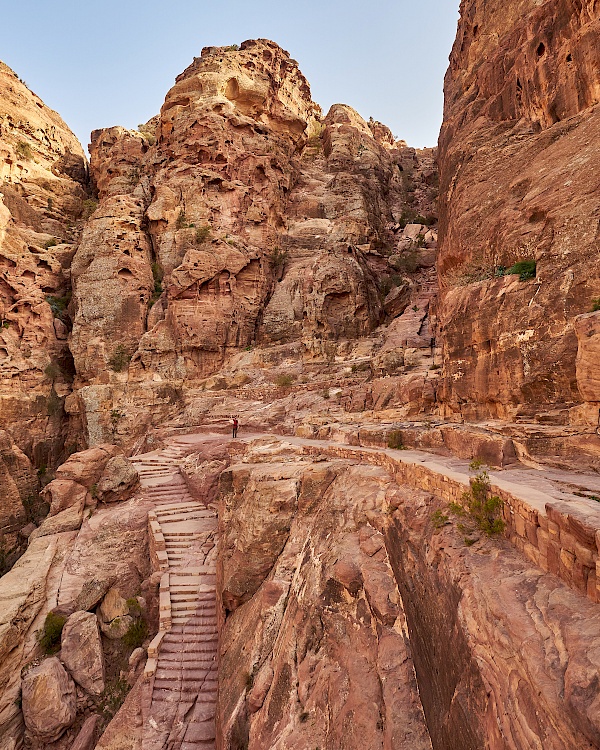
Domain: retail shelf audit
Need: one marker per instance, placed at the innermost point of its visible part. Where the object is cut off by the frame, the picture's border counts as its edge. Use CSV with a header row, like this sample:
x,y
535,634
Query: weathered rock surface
x,y
236,216
518,155
48,695
43,175
289,678
86,739
118,481
312,651
81,651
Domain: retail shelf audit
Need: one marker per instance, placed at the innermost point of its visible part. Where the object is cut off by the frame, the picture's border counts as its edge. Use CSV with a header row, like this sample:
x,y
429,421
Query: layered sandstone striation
x,y
43,182
519,181
356,615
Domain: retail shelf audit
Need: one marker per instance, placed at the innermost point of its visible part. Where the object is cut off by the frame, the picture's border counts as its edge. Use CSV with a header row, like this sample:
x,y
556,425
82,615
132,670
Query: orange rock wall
x,y
519,180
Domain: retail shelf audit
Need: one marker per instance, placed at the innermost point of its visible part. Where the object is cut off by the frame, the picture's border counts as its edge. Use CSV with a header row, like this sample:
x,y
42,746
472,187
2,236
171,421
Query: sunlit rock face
x,y
43,181
237,216
519,181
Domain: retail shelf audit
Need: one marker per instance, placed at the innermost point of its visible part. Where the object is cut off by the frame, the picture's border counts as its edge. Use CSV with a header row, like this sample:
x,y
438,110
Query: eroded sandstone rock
x,y
518,150
43,175
81,651
48,695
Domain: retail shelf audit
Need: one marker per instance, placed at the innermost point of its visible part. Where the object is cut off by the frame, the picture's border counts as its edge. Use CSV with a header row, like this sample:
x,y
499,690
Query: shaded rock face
x,y
43,182
312,650
518,155
236,216
352,619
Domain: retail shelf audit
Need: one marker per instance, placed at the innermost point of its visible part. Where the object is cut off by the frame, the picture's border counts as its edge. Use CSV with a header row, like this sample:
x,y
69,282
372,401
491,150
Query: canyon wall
x,y
355,614
43,174
519,182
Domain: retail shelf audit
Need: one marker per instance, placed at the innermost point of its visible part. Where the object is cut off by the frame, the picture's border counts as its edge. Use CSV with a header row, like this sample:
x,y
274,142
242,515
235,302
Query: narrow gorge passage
x,y
181,692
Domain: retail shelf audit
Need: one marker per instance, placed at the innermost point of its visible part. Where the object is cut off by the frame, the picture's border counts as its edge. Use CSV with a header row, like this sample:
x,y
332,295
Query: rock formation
x,y
43,174
518,154
235,217
323,580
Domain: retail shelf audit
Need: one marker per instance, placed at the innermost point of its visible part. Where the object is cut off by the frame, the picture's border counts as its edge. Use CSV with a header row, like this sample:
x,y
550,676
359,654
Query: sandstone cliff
x,y
43,175
519,182
236,217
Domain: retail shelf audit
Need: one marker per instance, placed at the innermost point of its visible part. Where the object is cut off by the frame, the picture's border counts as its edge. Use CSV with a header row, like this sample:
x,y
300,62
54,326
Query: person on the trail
x,y
235,425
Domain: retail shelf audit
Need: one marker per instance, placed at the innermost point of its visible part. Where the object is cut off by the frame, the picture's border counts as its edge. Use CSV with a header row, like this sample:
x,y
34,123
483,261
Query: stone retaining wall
x,y
556,537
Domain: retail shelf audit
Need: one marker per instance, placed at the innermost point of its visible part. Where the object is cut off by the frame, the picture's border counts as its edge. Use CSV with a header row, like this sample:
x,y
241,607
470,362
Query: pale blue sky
x,y
112,62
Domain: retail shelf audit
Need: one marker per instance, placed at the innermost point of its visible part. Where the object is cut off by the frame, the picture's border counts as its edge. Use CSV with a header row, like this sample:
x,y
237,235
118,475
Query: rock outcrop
x,y
81,652
356,615
237,216
43,183
44,180
48,695
519,182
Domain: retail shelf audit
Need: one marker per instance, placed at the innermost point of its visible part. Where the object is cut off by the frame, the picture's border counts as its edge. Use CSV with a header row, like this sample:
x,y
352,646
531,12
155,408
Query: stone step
x,y
184,677
199,732
185,515
183,509
185,659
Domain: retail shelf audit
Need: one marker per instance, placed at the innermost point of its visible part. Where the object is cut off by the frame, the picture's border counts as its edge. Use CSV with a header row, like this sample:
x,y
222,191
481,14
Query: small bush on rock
x,y
596,304
119,359
50,635
395,440
284,381
525,268
136,633
202,234
24,150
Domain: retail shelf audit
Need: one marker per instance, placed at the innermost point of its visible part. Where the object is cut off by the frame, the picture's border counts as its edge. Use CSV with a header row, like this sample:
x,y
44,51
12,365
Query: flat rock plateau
x,y
399,550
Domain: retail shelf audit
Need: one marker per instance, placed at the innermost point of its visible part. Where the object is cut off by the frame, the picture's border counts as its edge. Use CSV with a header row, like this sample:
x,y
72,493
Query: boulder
x,y
86,467
81,651
118,481
116,628
113,606
67,520
113,615
48,700
63,494
86,739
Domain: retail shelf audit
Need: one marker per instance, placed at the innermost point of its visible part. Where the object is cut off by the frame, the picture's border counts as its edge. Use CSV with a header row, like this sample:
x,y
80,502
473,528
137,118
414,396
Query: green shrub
x,y
134,606
278,257
88,207
457,510
58,305
49,637
50,243
112,698
157,275
596,304
484,508
284,381
119,360
202,234
24,150
439,519
231,48
525,268
181,222
395,440
136,633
